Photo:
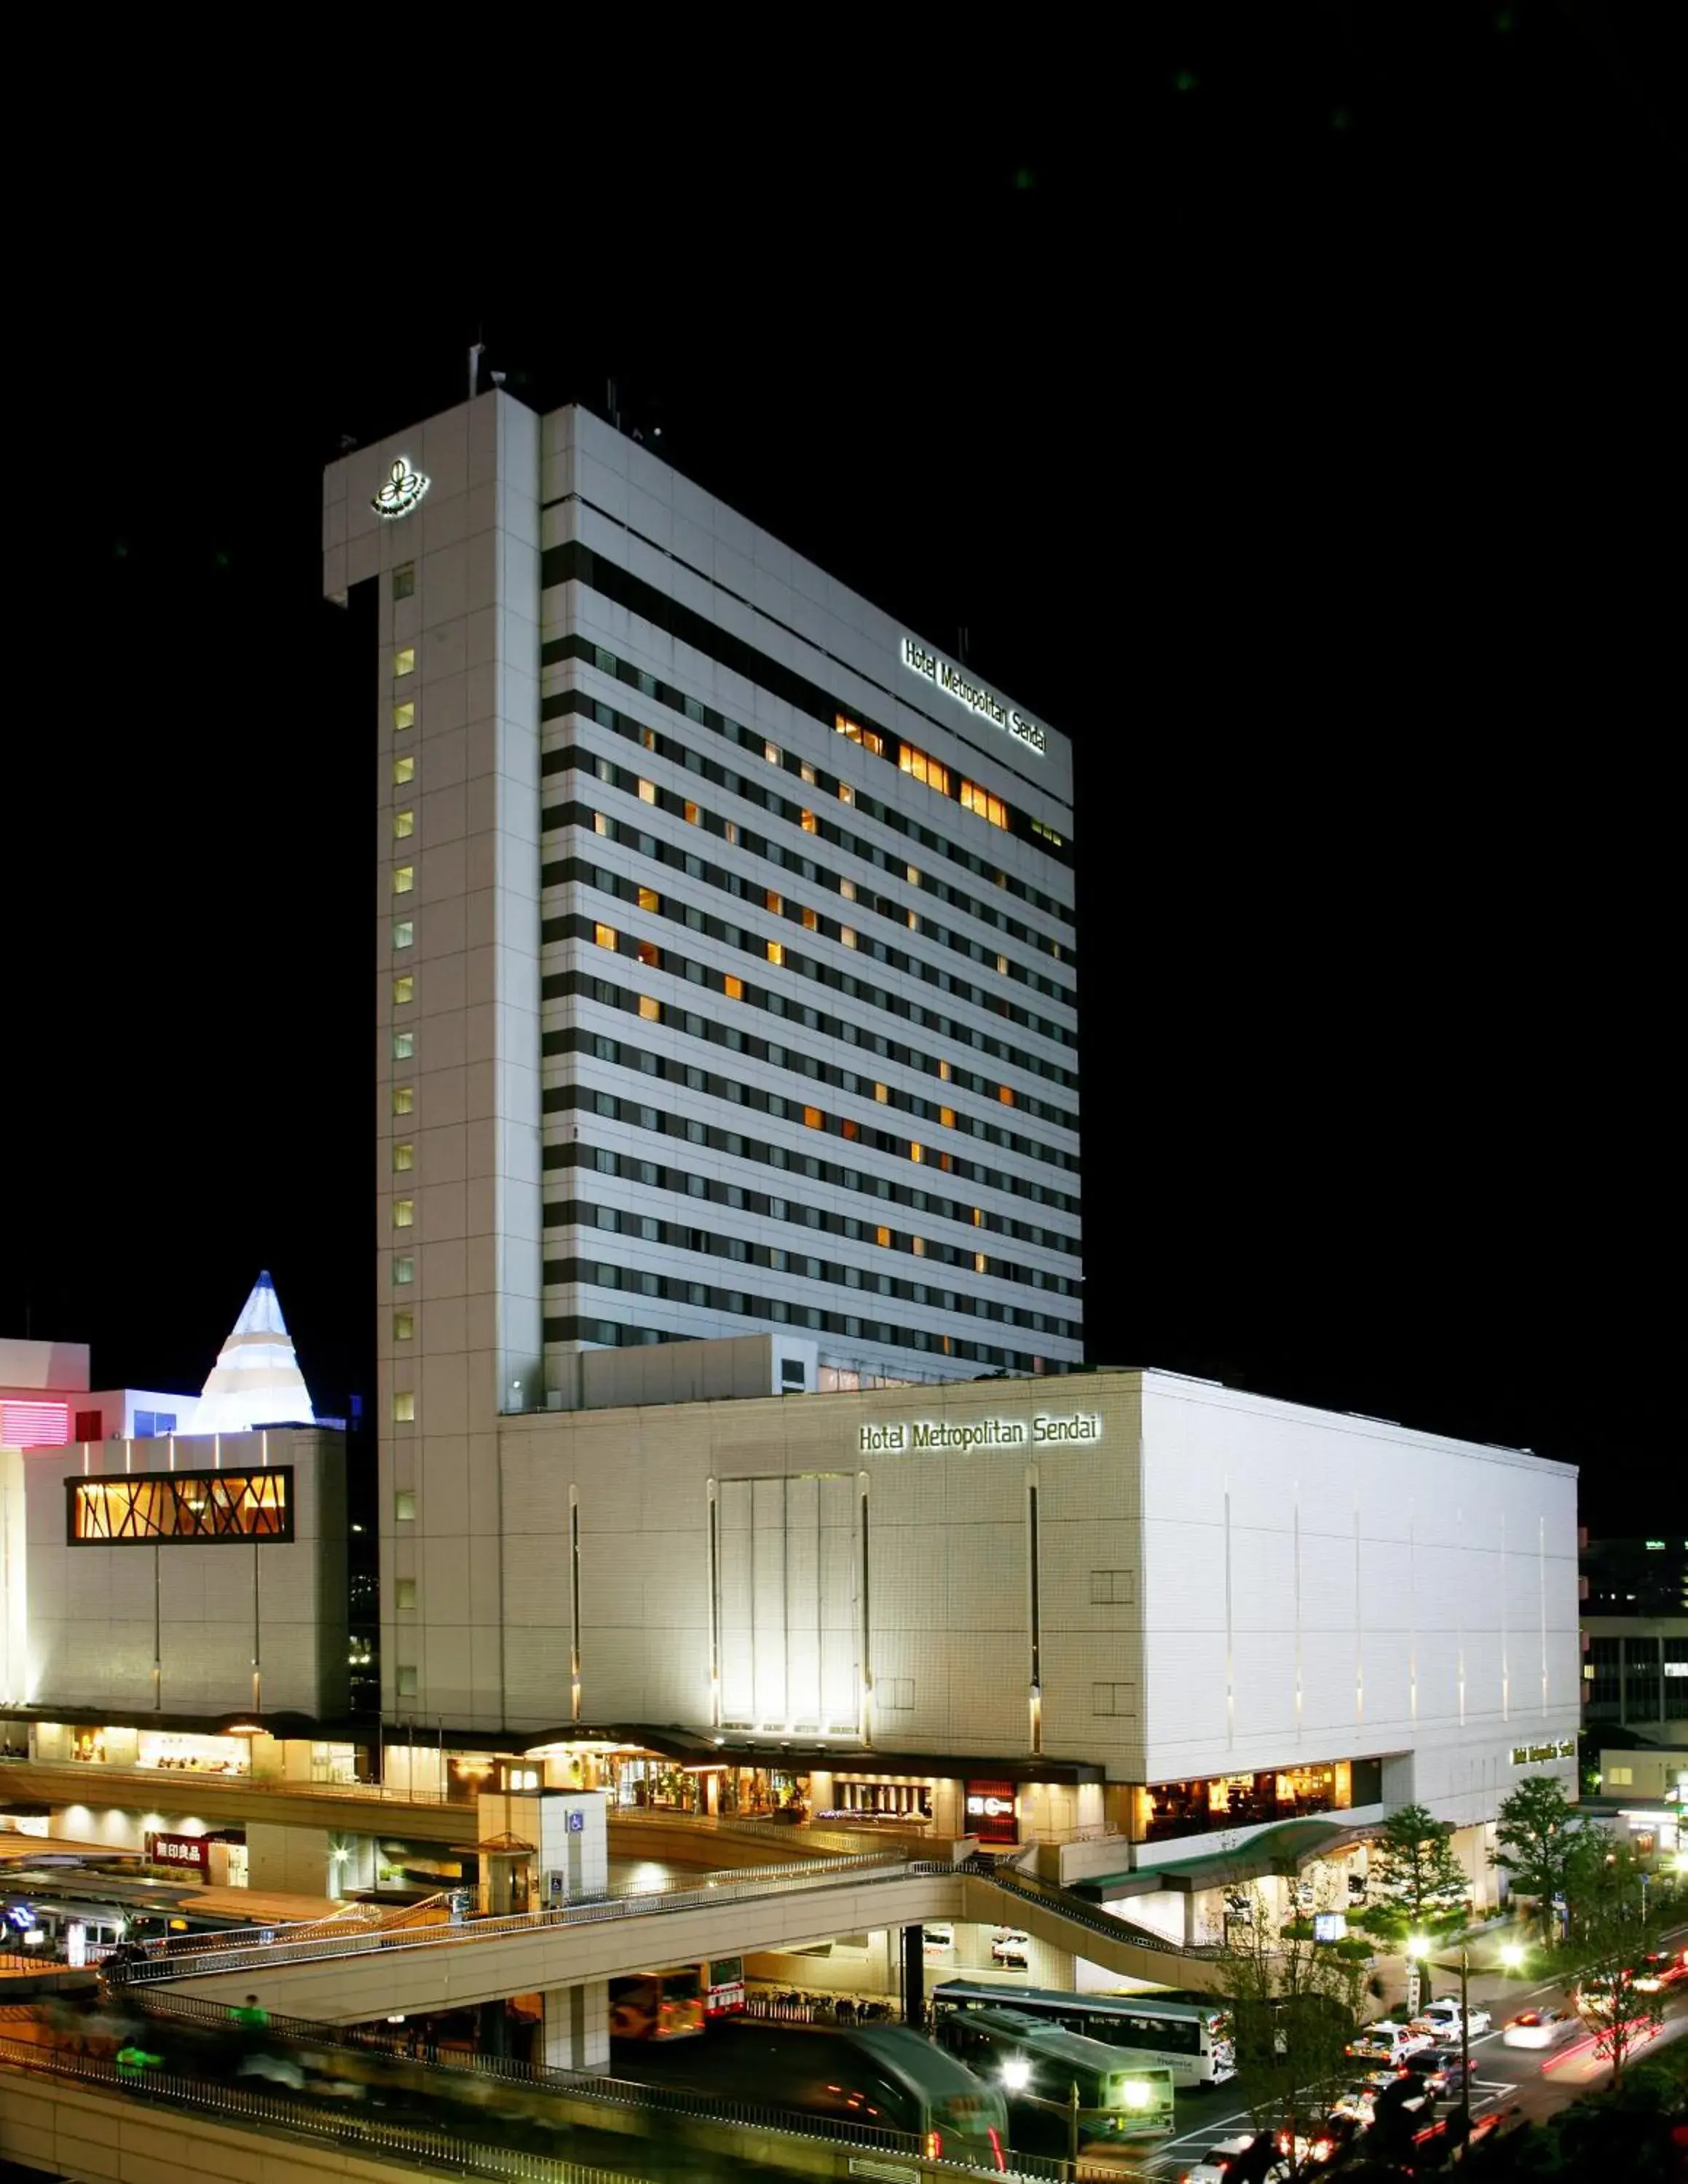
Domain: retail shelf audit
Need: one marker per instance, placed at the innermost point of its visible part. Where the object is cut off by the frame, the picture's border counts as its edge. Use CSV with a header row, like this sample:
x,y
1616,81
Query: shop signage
x,y
185,1851
401,492
953,683
1529,1755
898,1438
991,1811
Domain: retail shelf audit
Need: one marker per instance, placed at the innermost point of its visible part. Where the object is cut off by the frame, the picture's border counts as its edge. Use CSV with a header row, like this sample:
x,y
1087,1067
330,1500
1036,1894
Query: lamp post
x,y
1418,1947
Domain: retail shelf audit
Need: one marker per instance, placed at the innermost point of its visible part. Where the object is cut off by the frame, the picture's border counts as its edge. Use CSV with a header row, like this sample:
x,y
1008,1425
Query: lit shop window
x,y
405,580
404,1271
404,1046
403,1098
975,798
846,934
404,1505
403,1406
651,1011
404,1326
404,717
404,824
605,935
773,754
184,1506
929,770
776,951
405,660
404,769
403,879
404,1157
869,738
649,899
404,989
404,1590
408,1682
404,1212
404,934
733,988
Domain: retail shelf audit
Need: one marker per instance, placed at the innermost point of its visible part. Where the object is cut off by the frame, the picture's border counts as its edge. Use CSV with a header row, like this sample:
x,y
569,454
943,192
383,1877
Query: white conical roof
x,y
256,1380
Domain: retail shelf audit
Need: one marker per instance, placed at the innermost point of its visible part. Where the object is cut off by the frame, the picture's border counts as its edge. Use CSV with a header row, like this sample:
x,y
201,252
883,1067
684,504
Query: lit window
x,y
605,935
806,771
1005,1093
1048,832
404,989
846,934
978,1216
929,770
405,1589
403,1414
693,816
404,717
882,1236
774,902
975,798
805,820
403,1098
946,1116
913,921
848,889
1002,966
916,1153
403,1046
651,1011
409,1683
810,921
850,1130
730,830
404,1326
733,988
403,933
979,1262
403,879
404,1157
405,660
650,955
649,899
404,1505
882,1092
918,1245
846,794
773,754
404,769
647,792
404,823
404,1212
869,738
776,951
647,737
404,1270
405,580
914,872
813,1119
944,1071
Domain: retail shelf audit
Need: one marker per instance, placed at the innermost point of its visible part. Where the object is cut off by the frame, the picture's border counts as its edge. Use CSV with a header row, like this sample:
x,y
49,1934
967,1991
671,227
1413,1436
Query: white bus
x,y
1193,2040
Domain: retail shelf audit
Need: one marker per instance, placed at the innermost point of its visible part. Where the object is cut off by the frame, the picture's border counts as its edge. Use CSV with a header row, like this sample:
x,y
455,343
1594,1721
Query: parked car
x,y
1442,2069
1008,1946
1442,2019
1360,2101
935,1938
1250,2159
1541,2028
1387,2041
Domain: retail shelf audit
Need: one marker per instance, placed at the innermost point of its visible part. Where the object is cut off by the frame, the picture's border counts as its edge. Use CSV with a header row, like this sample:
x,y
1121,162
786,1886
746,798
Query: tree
x,y
1608,1931
1295,2003
1537,1832
1415,1880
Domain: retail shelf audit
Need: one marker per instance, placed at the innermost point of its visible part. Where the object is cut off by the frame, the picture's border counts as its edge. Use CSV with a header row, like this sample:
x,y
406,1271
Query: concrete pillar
x,y
492,2031
575,2035
914,1975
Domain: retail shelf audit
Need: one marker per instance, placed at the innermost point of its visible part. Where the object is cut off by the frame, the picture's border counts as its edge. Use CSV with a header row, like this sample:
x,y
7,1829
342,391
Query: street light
x,y
1418,1948
1512,1956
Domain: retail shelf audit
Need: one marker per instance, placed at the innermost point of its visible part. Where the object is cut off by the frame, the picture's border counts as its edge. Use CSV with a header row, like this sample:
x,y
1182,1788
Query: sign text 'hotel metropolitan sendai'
x,y
974,695
963,1434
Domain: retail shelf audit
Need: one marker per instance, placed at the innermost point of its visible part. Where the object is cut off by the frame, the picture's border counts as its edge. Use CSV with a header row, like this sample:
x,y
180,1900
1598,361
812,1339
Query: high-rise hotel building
x,y
725,964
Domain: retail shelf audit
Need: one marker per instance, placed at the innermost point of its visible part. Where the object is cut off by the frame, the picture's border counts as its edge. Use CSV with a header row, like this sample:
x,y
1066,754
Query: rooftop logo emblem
x,y
401,492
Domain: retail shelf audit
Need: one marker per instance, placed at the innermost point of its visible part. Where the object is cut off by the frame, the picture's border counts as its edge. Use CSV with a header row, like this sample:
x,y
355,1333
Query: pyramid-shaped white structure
x,y
256,1380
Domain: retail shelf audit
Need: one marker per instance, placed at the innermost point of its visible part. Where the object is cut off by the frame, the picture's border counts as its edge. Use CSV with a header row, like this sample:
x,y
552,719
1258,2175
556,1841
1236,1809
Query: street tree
x,y
1417,1883
1295,2004
1537,1831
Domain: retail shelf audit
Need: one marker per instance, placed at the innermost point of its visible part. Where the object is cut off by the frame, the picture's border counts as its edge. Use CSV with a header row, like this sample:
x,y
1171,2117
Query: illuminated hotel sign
x,y
401,492
974,695
1041,1431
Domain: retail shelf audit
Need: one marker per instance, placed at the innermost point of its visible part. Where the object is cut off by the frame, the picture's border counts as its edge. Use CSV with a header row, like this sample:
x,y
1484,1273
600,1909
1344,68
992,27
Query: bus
x,y
1193,2040
1039,2064
874,2077
722,1982
657,2005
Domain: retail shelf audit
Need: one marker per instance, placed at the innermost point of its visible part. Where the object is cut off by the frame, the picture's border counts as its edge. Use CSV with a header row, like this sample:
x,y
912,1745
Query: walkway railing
x,y
1093,1917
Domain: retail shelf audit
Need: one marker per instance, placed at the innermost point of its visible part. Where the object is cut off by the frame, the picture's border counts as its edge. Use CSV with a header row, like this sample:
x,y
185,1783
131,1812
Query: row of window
x,y
804,816
737,881
770,676
582,1213
738,1146
881,1333
576,1039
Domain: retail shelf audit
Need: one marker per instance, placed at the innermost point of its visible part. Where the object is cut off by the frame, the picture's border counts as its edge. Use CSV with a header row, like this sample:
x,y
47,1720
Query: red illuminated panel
x,y
33,1425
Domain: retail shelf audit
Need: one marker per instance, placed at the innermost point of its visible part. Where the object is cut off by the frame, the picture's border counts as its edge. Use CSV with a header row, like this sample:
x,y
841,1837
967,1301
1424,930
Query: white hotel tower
x,y
724,943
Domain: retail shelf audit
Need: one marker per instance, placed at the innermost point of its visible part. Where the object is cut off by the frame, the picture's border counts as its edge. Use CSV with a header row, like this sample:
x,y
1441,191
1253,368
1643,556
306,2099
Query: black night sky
x,y
1284,412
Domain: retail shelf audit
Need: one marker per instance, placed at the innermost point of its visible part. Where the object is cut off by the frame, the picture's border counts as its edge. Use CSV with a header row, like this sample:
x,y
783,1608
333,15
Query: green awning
x,y
1292,1843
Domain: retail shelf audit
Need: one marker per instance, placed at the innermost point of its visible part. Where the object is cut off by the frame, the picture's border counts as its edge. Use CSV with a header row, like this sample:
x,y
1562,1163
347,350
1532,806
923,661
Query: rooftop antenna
x,y
475,351
961,636
610,404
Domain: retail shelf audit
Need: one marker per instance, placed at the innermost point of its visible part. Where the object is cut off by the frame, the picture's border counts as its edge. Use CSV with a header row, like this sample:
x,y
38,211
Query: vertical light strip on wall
x,y
1412,1608
1035,1601
714,1606
1230,1657
1459,1590
1541,1588
1358,1625
1298,1610
867,1670
1505,1658
574,1603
